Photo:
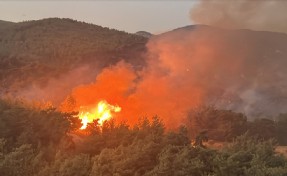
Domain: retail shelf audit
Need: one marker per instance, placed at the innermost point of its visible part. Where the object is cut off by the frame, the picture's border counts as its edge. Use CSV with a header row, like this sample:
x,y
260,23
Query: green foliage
x,y
134,159
184,160
18,162
221,125
21,125
281,129
37,142
178,139
225,125
245,156
251,156
262,128
36,51
64,165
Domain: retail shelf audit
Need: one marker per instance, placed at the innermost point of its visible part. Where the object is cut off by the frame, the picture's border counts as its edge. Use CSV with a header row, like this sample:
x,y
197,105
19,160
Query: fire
x,y
102,112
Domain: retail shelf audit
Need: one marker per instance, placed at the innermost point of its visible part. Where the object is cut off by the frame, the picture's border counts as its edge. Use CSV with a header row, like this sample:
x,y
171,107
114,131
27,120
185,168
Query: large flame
x,y
102,112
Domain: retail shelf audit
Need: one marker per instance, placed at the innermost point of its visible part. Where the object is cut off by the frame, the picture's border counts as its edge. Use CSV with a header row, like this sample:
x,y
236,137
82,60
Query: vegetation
x,y
44,49
44,142
225,125
221,125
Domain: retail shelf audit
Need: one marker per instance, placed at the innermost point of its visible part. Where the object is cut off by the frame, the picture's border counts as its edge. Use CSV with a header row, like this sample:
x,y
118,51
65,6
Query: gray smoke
x,y
56,89
239,70
263,15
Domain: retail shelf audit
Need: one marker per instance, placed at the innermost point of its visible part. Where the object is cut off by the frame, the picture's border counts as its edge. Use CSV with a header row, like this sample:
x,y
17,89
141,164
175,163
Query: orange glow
x,y
102,112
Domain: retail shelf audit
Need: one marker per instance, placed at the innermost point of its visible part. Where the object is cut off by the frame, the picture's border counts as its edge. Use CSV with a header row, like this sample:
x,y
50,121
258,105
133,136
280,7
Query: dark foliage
x,y
281,129
225,125
35,51
220,125
43,142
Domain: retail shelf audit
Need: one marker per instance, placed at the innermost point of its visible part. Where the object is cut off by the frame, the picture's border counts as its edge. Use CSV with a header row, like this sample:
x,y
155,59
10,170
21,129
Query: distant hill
x,y
2,22
144,34
242,70
5,24
34,51
245,70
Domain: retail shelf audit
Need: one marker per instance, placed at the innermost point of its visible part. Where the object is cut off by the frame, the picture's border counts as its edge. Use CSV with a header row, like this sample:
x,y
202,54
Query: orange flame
x,y
102,112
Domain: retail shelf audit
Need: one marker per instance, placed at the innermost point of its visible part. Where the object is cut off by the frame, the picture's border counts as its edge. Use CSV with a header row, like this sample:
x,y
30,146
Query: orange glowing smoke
x,y
102,112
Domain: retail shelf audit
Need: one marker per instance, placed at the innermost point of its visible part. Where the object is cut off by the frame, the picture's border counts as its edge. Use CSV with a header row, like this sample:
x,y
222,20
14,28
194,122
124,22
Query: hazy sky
x,y
130,16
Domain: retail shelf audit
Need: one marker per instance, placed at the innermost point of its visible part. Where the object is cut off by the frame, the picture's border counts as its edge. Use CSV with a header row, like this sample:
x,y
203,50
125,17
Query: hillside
x,y
144,34
242,70
5,24
164,76
34,51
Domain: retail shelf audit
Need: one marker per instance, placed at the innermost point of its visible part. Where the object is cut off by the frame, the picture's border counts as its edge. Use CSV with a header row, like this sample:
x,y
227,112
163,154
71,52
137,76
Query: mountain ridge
x,y
33,52
40,49
256,85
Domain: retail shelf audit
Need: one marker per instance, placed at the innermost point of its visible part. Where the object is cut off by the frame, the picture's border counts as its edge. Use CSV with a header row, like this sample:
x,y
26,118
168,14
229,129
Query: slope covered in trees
x,y
5,24
42,141
34,51
242,70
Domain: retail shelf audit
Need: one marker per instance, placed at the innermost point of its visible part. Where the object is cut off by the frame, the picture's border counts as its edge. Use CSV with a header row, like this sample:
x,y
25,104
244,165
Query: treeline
x,y
225,125
38,50
43,142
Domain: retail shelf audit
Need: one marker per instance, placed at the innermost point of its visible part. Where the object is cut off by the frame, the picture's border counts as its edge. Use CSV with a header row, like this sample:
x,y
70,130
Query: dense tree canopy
x,y
43,142
35,51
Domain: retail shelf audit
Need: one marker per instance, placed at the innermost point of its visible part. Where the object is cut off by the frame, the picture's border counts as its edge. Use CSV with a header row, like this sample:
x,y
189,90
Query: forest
x,y
224,90
32,52
40,141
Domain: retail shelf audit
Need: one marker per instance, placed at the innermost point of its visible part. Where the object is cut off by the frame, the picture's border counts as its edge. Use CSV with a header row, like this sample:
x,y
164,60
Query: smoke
x,y
260,15
56,89
239,70
193,66
140,94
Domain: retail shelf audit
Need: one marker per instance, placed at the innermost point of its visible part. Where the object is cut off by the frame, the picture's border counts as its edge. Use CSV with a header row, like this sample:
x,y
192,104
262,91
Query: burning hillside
x,y
191,66
241,70
145,105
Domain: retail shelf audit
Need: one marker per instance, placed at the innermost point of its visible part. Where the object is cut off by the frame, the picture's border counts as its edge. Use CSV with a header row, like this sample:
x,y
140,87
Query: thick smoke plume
x,y
55,90
241,70
193,66
248,14
151,92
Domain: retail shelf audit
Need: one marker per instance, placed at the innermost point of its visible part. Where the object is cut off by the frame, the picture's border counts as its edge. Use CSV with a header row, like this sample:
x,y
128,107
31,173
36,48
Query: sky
x,y
130,16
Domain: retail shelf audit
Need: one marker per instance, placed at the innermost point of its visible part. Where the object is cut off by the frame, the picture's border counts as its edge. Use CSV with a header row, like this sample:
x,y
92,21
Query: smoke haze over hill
x,y
244,14
80,99
239,70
